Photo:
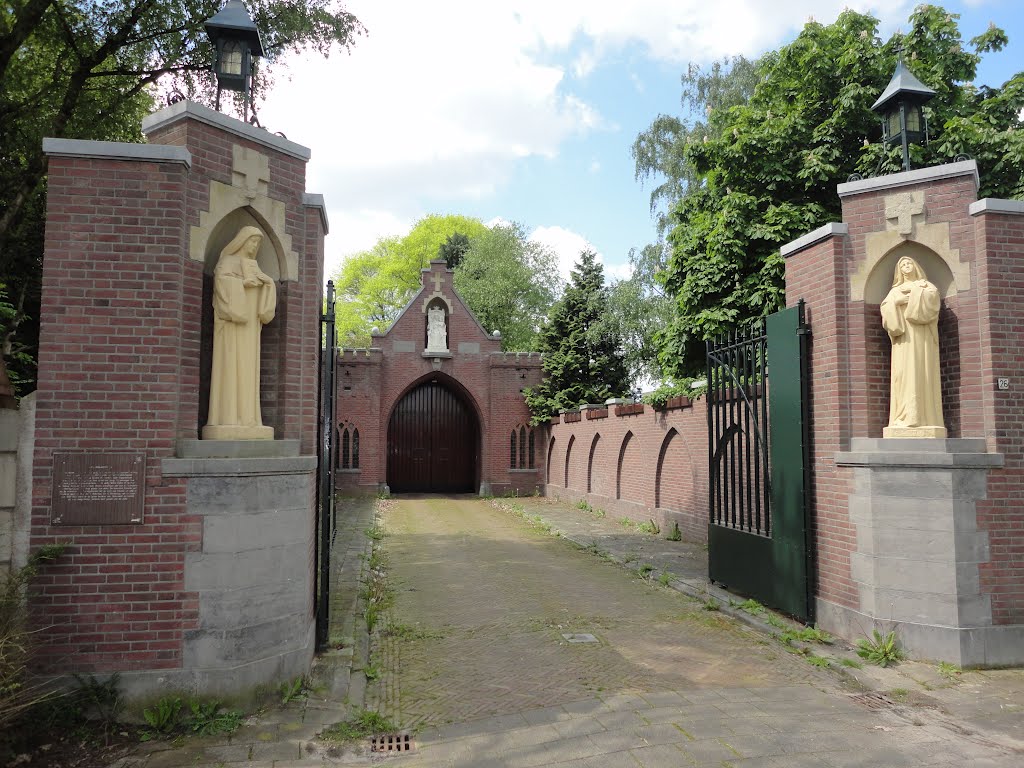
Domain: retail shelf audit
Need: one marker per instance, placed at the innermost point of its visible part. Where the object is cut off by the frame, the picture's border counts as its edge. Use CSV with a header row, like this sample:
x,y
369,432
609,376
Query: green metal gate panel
x,y
769,561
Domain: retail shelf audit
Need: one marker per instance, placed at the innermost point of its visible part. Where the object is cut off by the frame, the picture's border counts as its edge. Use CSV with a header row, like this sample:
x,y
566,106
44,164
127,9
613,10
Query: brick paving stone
x,y
494,596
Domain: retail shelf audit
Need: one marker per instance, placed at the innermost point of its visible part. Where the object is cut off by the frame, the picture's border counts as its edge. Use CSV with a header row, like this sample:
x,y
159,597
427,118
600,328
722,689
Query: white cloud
x,y
565,243
567,246
359,230
441,101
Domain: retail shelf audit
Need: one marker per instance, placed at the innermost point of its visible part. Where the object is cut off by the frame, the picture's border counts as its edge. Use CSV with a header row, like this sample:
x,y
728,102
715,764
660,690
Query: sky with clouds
x,y
526,111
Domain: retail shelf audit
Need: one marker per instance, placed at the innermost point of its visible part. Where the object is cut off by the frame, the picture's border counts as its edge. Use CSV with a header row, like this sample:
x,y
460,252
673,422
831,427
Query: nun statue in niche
x,y
244,300
437,334
910,315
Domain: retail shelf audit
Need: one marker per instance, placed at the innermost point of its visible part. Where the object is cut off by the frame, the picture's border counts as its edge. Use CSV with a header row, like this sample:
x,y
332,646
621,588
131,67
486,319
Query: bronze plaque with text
x,y
98,488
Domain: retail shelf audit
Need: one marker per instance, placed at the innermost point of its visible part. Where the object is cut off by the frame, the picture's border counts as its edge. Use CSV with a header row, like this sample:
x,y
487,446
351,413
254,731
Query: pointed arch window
x,y
522,452
348,447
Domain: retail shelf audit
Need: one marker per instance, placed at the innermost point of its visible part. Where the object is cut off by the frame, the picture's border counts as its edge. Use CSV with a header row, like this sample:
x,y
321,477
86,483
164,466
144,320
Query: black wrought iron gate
x,y
325,469
759,541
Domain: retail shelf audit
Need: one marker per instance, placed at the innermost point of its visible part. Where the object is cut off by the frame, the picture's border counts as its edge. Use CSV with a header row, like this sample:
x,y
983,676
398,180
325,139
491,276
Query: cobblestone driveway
x,y
482,602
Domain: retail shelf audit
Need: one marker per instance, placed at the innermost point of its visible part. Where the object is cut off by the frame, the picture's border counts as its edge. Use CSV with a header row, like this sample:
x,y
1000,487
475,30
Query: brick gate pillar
x,y
188,566
912,534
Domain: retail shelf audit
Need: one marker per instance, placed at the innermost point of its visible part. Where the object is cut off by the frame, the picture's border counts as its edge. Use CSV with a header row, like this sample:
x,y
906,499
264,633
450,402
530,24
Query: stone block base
x,y
234,432
919,548
988,646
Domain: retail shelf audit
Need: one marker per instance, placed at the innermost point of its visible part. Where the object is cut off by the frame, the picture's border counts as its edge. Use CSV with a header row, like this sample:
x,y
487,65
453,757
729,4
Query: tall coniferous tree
x,y
583,359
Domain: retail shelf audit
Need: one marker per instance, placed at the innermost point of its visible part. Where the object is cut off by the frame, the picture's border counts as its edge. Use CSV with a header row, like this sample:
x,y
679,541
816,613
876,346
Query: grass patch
x,y
674,534
807,635
409,632
360,725
819,661
949,671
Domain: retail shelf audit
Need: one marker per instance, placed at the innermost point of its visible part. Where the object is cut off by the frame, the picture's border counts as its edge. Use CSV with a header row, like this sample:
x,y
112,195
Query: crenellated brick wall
x,y
634,461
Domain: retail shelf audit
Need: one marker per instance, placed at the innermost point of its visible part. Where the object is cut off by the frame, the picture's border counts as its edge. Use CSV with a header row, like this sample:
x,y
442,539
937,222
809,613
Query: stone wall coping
x,y
831,229
313,200
236,449
184,109
918,176
117,150
284,465
995,205
918,452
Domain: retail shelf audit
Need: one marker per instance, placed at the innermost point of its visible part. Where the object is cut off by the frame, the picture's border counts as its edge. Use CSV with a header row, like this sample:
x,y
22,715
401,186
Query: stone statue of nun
x,y
910,314
244,300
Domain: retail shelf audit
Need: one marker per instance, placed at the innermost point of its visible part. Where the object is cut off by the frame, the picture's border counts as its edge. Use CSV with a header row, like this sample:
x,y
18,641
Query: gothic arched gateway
x,y
433,438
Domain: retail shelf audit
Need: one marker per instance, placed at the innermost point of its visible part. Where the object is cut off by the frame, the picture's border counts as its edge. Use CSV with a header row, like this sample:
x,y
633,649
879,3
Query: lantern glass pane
x,y
913,119
894,123
231,58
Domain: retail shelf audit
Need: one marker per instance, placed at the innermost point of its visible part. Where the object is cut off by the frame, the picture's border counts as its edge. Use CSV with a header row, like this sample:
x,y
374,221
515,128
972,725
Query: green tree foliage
x,y
583,361
453,249
429,235
660,151
639,310
507,281
768,168
373,286
89,69
510,283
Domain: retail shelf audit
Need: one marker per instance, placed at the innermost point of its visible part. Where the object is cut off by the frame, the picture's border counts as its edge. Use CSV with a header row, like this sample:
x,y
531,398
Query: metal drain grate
x,y
873,700
392,743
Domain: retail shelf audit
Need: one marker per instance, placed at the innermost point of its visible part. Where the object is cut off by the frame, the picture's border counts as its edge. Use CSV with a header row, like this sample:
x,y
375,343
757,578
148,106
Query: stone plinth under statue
x,y
919,548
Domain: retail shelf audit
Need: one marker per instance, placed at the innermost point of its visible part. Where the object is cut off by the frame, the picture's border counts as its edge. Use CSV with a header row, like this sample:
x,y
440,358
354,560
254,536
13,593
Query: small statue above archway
x,y
437,330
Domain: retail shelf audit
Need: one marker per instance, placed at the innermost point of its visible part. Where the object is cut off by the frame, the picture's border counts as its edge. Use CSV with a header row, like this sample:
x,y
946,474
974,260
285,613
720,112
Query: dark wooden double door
x,y
432,442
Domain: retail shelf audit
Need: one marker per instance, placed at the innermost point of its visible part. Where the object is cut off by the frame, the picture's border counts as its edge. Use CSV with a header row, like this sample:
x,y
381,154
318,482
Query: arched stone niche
x,y
437,303
879,279
272,259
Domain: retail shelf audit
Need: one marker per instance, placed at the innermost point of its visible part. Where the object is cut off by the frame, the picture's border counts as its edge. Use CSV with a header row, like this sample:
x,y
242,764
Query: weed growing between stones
x,y
294,690
360,724
950,671
674,533
169,717
880,649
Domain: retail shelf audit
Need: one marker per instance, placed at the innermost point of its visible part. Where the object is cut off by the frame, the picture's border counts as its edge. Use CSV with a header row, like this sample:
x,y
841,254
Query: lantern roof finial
x,y
904,84
233,19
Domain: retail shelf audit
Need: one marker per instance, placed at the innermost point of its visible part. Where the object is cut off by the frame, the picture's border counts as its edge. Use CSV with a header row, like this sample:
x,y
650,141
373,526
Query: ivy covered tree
x,y
583,360
766,171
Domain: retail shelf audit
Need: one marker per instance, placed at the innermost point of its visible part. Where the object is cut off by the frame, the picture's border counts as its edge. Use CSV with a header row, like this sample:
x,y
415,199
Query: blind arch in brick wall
x,y
590,462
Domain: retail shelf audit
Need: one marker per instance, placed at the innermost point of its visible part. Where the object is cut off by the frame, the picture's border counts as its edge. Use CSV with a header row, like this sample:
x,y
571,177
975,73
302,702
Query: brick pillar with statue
x,y
182,290
917,442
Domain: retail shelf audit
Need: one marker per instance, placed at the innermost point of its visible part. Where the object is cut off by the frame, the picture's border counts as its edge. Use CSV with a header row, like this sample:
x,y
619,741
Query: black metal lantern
x,y
237,40
901,107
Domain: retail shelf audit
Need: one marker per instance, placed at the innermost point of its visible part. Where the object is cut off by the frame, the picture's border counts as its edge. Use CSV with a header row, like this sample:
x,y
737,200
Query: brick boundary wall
x,y
109,380
634,461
